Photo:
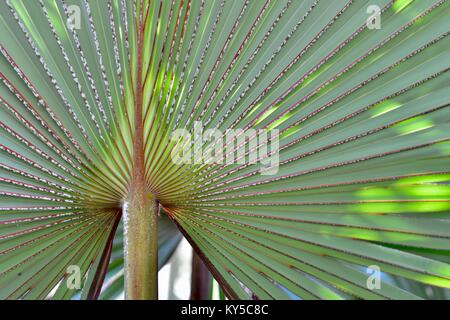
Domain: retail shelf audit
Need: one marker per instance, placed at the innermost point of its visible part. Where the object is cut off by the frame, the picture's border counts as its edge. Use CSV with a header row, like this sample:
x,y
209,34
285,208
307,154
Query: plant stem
x,y
201,279
141,249
141,230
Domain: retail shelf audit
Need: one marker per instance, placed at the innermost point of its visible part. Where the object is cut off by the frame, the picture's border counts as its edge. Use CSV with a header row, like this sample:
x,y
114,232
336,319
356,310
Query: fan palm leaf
x,y
88,114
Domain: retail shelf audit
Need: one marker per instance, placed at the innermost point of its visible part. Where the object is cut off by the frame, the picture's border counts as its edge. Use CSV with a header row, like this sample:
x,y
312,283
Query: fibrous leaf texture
x,y
363,118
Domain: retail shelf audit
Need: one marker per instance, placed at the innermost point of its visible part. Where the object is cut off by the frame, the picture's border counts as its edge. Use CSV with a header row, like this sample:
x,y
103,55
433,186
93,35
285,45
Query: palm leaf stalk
x,y
92,93
201,280
141,220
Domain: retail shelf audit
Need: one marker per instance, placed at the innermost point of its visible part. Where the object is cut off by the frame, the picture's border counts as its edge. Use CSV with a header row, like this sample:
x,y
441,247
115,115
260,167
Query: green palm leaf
x,y
88,114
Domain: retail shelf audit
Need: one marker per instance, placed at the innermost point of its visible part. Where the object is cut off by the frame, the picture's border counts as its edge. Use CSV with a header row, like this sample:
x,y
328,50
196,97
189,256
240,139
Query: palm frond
x,y
363,121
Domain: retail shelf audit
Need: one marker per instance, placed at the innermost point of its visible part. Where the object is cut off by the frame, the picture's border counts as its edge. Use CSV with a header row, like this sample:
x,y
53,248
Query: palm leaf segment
x,y
363,124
